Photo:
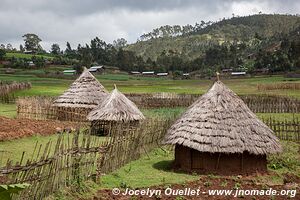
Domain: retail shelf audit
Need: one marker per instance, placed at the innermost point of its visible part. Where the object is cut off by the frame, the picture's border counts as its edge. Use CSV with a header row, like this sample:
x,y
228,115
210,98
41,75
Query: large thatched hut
x,y
220,134
115,109
84,94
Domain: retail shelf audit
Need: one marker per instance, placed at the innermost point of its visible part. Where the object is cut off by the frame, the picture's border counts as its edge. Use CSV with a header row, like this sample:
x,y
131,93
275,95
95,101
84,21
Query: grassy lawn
x,y
155,169
140,173
147,171
8,110
131,84
11,149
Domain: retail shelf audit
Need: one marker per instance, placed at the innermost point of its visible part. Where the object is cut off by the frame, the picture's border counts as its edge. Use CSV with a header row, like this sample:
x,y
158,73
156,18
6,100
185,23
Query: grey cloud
x,y
78,21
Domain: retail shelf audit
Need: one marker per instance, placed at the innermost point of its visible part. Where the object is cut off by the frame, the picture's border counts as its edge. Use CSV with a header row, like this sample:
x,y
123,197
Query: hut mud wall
x,y
191,160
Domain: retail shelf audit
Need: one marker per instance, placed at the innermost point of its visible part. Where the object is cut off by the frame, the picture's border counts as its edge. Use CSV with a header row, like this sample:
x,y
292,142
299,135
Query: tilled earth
x,y
206,183
17,128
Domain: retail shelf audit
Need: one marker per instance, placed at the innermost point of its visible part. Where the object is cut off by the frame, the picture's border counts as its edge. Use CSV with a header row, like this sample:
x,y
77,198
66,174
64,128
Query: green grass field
x,y
155,169
139,173
132,84
27,56
11,149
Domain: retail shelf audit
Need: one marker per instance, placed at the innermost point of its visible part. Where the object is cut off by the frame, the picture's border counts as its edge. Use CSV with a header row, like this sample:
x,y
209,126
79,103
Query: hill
x,y
255,31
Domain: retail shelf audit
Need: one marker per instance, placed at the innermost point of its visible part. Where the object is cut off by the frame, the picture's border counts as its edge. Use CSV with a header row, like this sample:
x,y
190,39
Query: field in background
x,y
133,84
23,55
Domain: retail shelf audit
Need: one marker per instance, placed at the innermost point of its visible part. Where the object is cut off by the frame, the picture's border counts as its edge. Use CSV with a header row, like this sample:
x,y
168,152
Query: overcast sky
x,y
78,21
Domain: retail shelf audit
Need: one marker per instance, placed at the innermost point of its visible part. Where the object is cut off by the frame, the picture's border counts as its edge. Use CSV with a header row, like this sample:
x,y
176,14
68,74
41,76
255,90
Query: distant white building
x,y
162,74
69,72
135,72
150,73
96,69
238,73
31,64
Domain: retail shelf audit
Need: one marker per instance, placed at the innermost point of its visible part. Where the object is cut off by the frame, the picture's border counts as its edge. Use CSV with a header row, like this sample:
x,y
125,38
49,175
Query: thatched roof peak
x,y
116,107
85,92
219,121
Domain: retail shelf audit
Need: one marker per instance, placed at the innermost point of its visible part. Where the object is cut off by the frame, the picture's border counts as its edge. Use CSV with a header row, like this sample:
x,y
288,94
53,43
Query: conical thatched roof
x,y
116,107
219,121
85,92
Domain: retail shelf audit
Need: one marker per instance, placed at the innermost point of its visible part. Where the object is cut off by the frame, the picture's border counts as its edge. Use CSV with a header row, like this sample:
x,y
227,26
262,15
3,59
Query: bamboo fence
x,y
80,156
286,129
40,107
279,86
6,90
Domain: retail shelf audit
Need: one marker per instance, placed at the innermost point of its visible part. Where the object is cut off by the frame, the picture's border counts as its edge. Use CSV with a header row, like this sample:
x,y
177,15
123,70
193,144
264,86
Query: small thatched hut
x,y
220,134
116,108
84,94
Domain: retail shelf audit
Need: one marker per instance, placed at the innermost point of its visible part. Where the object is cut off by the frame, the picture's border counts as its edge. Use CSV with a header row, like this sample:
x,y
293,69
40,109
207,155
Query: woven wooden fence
x,y
285,130
257,103
132,143
80,156
40,107
279,86
6,90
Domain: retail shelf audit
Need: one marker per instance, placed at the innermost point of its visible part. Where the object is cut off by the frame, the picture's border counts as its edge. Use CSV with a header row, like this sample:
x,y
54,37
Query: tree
x,y
69,52
55,49
2,54
21,48
9,47
120,43
32,42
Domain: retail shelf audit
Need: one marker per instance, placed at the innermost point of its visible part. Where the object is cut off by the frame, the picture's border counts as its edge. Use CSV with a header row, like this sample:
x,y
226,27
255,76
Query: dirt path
x,y
17,128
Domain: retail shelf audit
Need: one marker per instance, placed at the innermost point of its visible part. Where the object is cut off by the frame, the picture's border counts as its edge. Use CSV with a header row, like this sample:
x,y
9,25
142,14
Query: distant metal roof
x,y
69,71
135,72
162,74
92,70
238,73
151,72
96,67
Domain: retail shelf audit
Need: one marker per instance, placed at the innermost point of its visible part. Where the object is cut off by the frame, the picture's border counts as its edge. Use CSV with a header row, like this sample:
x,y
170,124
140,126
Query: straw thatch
x,y
219,121
116,107
85,92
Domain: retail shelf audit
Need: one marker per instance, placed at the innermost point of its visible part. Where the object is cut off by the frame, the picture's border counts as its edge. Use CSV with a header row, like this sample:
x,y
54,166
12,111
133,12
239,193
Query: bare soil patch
x,y
18,128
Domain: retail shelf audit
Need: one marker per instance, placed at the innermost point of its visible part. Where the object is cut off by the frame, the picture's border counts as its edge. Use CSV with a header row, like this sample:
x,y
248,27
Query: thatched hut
x,y
115,109
220,134
84,94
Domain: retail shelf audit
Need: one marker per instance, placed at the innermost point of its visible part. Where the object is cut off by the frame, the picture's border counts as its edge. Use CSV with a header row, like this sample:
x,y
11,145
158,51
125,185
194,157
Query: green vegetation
x,y
26,56
147,171
132,84
7,191
10,149
248,29
139,173
8,110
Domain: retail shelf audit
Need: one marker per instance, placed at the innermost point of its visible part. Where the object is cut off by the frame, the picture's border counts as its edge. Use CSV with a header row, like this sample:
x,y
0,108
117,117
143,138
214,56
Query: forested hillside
x,y
192,41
